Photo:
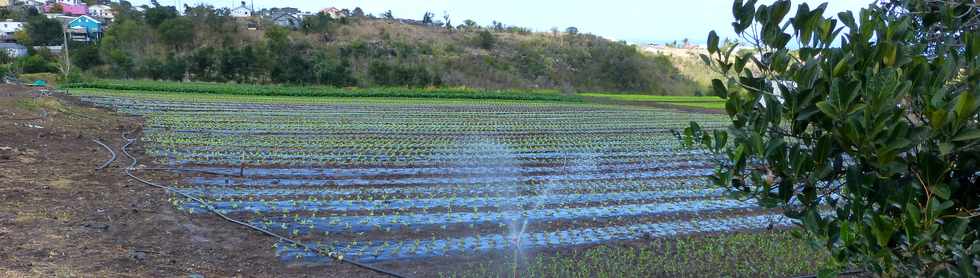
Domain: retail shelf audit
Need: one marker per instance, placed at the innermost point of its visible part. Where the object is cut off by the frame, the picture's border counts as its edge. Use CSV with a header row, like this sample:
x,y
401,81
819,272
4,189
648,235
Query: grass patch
x,y
322,91
764,254
36,104
689,101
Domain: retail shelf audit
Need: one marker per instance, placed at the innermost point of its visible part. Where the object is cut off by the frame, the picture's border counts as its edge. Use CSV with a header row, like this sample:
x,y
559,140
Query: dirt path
x,y
59,217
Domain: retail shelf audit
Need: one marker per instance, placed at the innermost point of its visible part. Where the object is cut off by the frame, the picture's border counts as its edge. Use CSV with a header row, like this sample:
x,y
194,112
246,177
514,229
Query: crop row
x,y
462,202
373,251
235,189
580,167
355,224
411,181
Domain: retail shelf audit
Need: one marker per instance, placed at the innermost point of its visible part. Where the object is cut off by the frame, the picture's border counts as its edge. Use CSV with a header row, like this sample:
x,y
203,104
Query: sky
x,y
629,20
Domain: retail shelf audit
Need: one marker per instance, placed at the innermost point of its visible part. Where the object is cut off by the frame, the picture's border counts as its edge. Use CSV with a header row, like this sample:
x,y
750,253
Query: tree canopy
x,y
867,135
44,31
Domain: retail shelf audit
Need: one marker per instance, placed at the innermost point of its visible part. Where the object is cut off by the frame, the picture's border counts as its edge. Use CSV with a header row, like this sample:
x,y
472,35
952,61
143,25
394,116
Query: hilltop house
x,y
13,50
101,11
6,3
334,12
68,8
9,28
85,28
242,11
287,19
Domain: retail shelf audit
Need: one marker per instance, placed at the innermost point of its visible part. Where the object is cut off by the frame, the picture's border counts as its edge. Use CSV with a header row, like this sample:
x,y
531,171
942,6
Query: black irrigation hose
x,y
113,158
333,255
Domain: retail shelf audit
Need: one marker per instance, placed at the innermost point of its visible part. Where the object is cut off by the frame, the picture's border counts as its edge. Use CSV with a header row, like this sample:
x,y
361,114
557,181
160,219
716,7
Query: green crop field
x,y
490,183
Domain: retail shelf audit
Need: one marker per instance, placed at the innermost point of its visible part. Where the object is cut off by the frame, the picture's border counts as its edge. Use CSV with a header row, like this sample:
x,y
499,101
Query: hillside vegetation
x,y
206,44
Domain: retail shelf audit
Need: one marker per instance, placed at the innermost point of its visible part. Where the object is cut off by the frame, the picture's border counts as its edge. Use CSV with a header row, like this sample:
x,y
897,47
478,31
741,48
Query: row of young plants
x,y
276,157
563,200
241,191
447,170
382,250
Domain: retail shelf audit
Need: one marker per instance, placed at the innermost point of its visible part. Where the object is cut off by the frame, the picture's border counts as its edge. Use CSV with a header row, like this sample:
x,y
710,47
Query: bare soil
x,y
59,217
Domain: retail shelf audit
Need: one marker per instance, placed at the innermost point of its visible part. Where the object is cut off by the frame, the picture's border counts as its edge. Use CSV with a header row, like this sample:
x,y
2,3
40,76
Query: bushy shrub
x,y
392,74
870,139
36,64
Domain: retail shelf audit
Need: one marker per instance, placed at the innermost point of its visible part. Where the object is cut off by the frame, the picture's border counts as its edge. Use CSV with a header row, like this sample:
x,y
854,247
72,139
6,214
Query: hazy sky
x,y
632,20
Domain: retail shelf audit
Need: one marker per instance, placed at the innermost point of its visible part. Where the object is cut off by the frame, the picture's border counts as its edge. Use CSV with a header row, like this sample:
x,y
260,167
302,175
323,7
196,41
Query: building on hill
x,y
68,8
13,50
242,11
6,3
333,12
85,29
9,28
101,11
287,19
269,12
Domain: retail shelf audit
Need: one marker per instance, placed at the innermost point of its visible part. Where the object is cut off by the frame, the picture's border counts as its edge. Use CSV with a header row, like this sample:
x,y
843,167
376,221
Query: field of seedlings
x,y
389,179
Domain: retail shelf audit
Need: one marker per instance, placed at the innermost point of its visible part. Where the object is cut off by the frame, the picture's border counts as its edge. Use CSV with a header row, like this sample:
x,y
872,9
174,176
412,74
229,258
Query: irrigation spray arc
x,y
319,250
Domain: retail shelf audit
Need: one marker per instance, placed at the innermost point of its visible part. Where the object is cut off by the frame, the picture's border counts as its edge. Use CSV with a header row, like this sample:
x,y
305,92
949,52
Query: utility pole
x,y
64,48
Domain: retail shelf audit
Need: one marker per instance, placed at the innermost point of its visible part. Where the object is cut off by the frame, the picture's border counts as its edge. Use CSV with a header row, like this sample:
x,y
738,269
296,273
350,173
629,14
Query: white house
x,y
242,11
9,28
13,49
101,11
334,12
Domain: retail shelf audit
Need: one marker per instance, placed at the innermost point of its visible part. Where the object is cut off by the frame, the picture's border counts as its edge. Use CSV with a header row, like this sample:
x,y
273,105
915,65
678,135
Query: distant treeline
x,y
206,44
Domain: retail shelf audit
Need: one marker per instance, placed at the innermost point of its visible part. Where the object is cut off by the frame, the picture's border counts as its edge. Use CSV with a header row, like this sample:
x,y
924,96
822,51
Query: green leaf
x,y
847,18
965,106
967,135
882,229
913,212
841,67
806,114
779,10
827,109
945,149
889,53
846,235
712,42
705,59
740,64
941,190
721,139
719,88
937,118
